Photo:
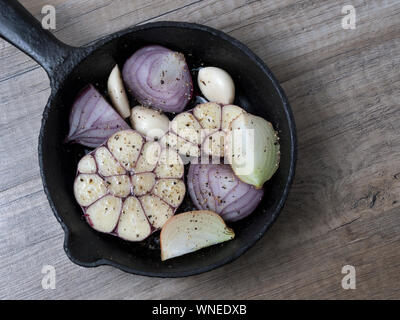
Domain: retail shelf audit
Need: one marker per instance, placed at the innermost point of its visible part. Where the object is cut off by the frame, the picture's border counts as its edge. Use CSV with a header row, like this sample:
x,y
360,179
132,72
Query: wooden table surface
x,y
344,206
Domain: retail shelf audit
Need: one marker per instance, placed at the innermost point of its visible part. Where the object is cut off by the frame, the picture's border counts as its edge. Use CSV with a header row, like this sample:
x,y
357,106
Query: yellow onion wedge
x,y
253,149
191,231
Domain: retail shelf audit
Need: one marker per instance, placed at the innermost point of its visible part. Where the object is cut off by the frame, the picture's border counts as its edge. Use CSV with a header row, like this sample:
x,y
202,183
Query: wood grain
x,y
344,207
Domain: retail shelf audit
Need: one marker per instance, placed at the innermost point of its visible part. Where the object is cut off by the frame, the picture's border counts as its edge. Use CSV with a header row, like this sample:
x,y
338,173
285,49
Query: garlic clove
x,y
143,183
170,165
133,224
107,164
170,190
117,93
216,85
187,127
87,164
214,144
119,186
125,147
229,113
88,188
149,122
156,209
209,115
186,148
148,157
103,215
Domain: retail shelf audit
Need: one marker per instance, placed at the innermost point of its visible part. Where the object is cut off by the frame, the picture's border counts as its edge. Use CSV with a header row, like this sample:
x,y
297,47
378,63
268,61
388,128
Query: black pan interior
x,y
257,92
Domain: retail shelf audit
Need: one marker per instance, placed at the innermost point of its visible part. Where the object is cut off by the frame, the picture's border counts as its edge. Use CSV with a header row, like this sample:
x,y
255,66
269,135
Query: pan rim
x,y
293,150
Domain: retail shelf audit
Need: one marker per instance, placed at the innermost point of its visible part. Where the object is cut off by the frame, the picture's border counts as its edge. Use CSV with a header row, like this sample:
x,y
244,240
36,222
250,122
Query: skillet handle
x,y
21,29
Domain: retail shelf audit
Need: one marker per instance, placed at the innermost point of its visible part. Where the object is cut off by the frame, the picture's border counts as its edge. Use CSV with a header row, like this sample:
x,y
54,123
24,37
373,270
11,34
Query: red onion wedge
x,y
191,231
92,119
215,187
159,77
129,187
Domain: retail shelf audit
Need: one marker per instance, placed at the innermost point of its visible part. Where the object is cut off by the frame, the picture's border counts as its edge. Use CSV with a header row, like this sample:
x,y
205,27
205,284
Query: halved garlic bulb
x,y
190,231
129,187
253,149
201,131
149,122
117,93
216,85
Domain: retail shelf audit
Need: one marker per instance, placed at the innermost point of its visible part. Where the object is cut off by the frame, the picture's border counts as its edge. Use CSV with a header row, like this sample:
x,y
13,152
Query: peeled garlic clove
x,y
190,231
125,146
119,185
149,122
209,115
187,127
214,144
216,85
117,93
104,213
88,188
133,224
170,165
253,149
87,164
229,113
157,210
183,146
170,190
107,165
143,183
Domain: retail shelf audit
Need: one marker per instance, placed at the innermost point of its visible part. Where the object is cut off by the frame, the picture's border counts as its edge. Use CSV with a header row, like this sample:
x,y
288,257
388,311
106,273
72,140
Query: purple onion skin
x,y
159,77
92,119
215,187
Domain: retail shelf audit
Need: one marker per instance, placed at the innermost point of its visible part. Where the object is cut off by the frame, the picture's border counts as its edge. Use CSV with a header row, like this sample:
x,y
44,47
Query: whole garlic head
x,y
216,85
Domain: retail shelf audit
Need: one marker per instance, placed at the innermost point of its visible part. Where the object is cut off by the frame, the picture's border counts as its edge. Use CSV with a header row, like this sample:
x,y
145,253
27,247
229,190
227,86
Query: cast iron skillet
x,y
70,69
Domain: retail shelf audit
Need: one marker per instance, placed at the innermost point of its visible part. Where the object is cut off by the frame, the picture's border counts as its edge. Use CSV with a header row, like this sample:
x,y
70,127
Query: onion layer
x,y
92,120
215,187
159,77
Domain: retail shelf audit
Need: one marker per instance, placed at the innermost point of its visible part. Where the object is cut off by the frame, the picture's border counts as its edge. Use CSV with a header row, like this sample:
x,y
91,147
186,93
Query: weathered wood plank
x,y
344,206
